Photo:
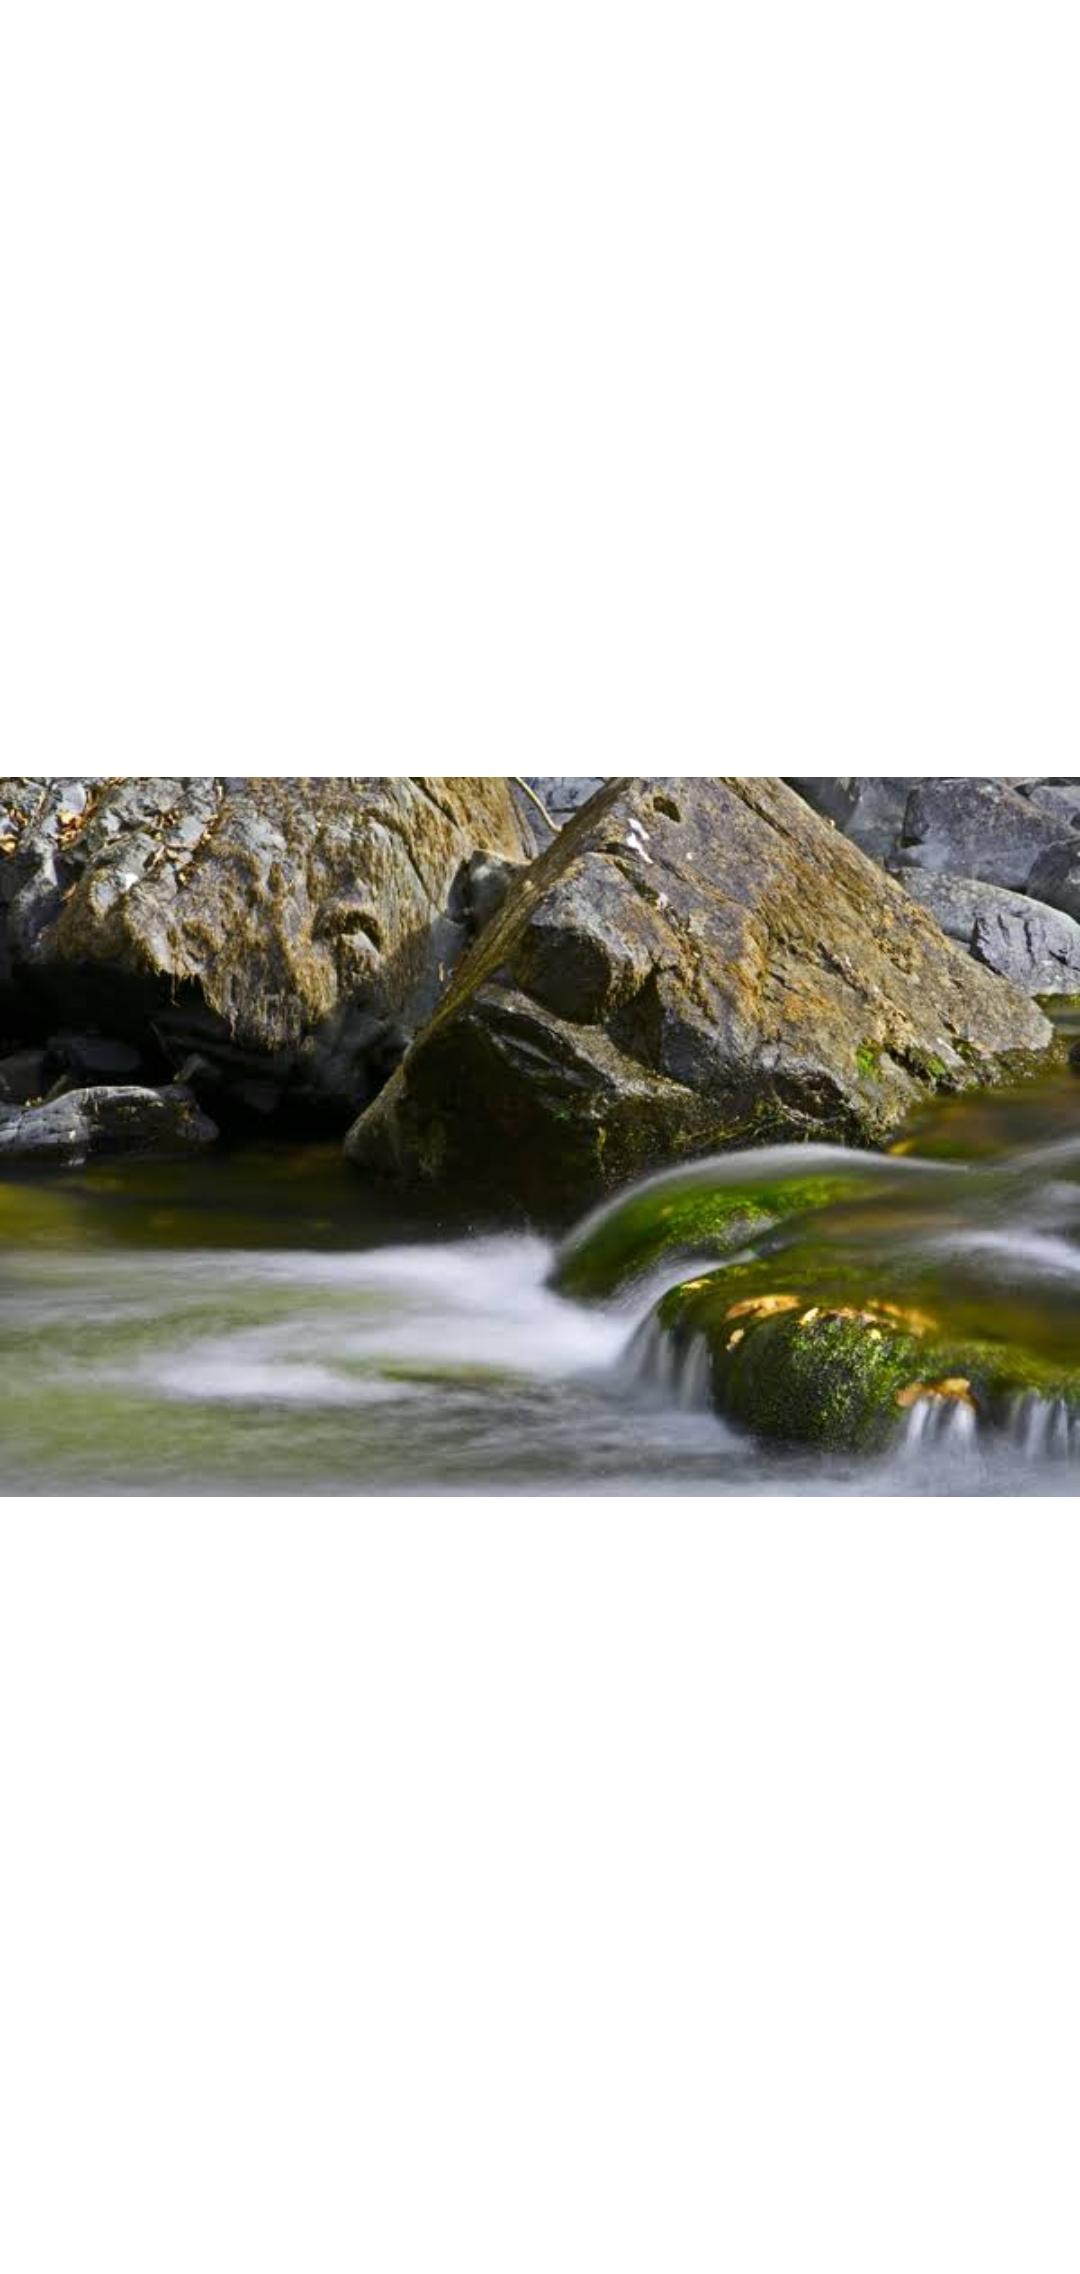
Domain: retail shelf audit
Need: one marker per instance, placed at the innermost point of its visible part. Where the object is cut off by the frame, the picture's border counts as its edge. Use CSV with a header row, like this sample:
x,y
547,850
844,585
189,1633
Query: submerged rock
x,y
939,1300
709,1209
694,964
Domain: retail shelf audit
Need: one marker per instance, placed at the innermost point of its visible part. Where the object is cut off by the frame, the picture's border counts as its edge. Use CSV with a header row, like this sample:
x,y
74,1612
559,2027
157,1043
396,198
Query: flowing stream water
x,y
261,1322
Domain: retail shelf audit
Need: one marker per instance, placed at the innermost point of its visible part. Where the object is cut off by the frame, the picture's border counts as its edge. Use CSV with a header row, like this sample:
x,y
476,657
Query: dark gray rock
x,y
869,808
956,840
971,825
564,794
1055,877
94,1058
1060,801
834,796
24,1074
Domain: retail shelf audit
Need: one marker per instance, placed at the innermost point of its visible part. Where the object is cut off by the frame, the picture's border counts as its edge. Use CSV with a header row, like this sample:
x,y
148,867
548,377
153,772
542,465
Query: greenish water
x,y
260,1322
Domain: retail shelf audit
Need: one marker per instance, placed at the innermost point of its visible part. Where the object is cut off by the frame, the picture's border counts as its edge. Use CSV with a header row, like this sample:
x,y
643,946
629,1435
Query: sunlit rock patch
x,y
694,965
273,941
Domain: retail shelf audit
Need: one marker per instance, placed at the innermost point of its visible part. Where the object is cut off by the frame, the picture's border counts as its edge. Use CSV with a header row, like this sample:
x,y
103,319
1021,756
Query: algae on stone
x,y
710,1208
798,1354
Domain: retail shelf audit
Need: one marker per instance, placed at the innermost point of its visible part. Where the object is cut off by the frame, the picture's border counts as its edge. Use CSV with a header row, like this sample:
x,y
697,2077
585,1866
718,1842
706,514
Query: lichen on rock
x,y
694,964
293,929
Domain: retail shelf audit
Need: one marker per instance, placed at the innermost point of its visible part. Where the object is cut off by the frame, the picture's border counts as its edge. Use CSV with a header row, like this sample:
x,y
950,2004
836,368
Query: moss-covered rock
x,y
795,1354
711,1208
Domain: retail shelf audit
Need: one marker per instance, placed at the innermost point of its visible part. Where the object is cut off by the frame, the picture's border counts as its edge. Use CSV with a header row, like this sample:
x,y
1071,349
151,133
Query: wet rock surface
x,y
946,1333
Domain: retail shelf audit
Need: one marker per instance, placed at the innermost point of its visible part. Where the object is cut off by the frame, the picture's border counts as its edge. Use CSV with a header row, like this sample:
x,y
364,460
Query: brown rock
x,y
694,964
308,921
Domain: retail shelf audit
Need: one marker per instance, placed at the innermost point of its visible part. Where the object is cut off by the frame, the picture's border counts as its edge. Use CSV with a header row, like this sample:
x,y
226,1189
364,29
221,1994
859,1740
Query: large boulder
x,y
290,933
694,964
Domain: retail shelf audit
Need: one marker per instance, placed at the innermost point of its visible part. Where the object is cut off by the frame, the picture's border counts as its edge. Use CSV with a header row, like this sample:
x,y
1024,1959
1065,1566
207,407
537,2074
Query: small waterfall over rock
x,y
920,1308
1044,1428
786,1317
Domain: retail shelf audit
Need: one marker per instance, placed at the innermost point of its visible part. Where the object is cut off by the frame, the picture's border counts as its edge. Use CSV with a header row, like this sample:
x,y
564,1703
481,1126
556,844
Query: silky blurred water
x,y
262,1323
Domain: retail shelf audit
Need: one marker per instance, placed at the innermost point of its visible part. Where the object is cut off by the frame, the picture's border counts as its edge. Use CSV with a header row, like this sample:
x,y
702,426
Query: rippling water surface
x,y
261,1323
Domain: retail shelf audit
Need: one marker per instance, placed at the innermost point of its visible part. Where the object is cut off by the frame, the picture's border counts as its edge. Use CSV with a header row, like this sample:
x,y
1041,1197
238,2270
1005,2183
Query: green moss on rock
x,y
688,1214
795,1359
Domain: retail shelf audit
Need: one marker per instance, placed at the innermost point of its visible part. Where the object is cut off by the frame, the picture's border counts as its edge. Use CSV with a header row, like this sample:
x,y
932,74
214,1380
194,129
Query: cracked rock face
x,y
694,964
291,932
